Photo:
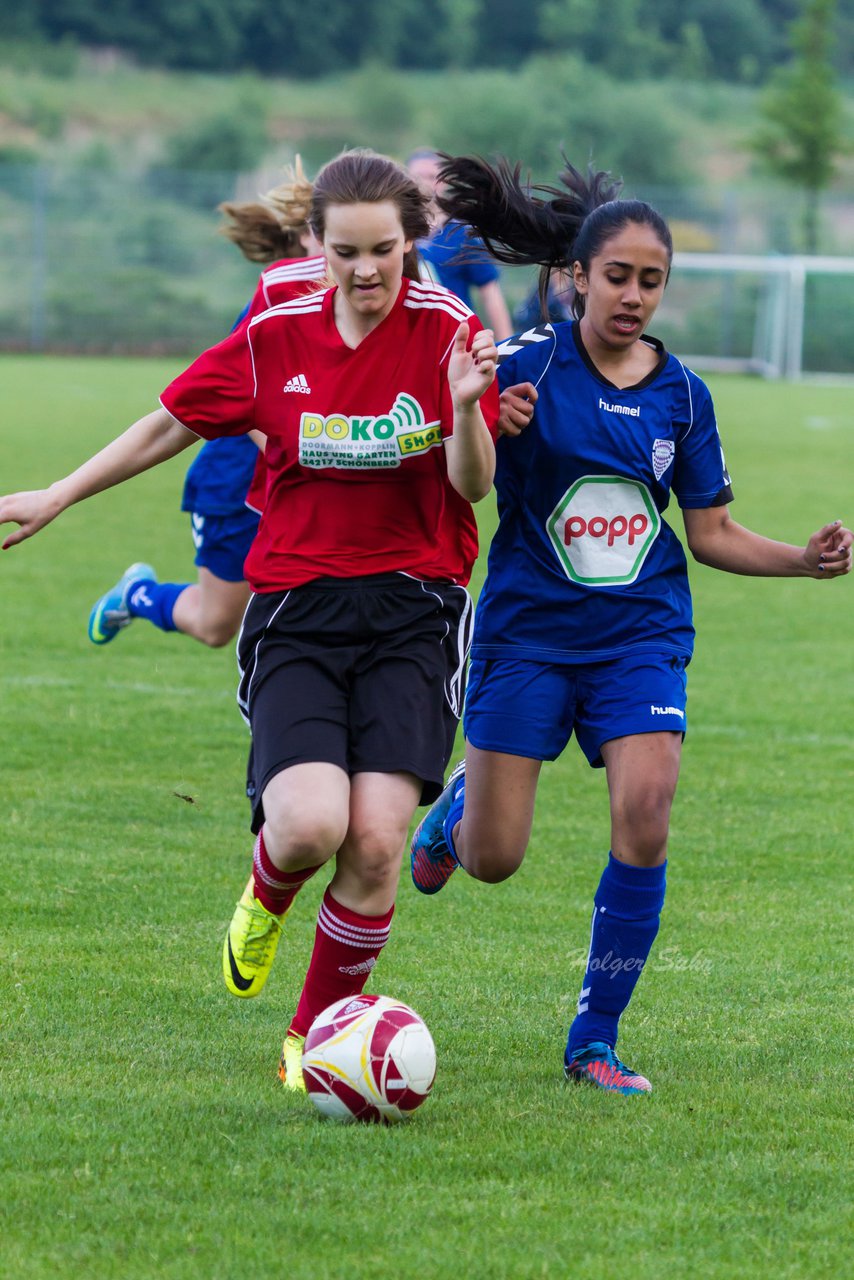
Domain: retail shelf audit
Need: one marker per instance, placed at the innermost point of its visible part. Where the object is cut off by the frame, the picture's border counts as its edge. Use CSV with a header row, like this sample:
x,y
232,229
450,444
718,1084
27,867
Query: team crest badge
x,y
663,452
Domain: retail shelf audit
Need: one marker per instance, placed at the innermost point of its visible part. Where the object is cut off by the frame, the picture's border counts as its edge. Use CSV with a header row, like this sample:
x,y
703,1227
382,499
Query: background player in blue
x,y
456,262
216,485
584,623
558,304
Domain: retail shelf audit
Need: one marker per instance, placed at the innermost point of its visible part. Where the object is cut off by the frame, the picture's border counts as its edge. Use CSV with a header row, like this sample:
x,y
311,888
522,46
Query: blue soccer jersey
x,y
219,477
583,567
459,261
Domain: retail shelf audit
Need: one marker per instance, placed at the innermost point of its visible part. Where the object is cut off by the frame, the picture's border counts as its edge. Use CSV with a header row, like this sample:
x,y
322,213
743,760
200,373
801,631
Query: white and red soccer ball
x,y
368,1058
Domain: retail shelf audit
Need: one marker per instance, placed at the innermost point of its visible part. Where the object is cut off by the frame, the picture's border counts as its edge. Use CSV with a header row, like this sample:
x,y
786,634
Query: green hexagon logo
x,y
602,530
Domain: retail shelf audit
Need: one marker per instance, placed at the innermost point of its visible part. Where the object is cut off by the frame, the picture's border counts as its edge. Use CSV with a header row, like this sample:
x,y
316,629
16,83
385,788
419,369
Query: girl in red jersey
x,y
378,402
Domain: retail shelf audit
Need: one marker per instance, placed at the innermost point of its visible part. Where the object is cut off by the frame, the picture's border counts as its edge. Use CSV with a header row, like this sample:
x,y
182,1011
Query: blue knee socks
x,y
626,912
155,601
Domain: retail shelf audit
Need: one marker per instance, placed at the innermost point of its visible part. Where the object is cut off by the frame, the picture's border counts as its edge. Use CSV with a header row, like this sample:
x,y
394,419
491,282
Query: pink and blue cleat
x,y
431,861
598,1064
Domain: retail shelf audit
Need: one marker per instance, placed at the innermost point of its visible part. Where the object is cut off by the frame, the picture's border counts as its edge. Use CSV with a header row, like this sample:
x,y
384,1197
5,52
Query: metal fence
x,y
102,262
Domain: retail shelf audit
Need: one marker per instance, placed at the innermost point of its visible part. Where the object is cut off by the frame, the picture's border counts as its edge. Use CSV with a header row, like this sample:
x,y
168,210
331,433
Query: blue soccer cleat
x,y
598,1064
111,614
431,861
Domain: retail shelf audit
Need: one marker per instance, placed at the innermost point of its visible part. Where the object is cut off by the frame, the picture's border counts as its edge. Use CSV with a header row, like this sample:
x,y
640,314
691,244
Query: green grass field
x,y
143,1133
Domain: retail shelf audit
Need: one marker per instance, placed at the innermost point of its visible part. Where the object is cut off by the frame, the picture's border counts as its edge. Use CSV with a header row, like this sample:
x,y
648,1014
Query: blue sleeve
x,y
239,321
507,376
480,271
700,477
468,255
525,356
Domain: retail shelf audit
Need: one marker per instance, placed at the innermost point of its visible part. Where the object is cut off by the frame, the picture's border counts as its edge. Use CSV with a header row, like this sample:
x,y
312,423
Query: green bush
x,y
59,59
557,104
232,140
13,154
383,105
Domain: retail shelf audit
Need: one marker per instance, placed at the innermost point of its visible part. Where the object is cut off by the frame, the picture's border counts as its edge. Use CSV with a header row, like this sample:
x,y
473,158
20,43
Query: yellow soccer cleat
x,y
250,945
290,1063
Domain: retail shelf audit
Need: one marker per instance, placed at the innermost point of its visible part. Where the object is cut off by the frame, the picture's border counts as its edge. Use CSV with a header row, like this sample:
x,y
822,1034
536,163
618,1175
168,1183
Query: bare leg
x,y
305,820
212,609
368,862
493,834
306,815
642,774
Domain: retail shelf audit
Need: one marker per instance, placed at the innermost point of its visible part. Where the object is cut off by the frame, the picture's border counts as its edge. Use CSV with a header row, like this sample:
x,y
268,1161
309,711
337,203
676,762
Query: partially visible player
x,y
584,624
555,306
225,481
457,261
378,403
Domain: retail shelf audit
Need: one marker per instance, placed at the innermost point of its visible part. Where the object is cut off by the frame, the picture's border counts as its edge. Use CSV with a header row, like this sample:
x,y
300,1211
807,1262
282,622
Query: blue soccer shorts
x,y
222,542
532,709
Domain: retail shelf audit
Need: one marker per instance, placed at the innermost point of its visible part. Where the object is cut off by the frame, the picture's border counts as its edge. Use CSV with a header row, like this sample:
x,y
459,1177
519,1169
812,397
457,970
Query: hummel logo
x,y
633,411
141,597
298,383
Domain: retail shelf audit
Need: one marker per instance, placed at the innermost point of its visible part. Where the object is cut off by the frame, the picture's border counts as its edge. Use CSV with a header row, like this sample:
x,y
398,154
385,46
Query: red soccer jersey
x,y
358,482
288,278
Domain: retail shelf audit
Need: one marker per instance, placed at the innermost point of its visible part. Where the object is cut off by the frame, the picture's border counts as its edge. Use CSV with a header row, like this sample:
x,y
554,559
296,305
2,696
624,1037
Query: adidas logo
x,y
297,383
356,970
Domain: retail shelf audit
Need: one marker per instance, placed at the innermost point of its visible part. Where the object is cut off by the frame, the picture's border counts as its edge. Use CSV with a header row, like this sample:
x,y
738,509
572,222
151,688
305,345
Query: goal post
x,y
774,315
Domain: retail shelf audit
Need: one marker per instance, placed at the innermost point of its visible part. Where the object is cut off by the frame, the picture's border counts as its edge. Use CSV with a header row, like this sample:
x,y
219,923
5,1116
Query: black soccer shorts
x,y
364,673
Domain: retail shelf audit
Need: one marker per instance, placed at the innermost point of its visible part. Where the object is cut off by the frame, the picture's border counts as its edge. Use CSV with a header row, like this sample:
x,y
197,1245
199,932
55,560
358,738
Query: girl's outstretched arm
x,y
717,540
150,440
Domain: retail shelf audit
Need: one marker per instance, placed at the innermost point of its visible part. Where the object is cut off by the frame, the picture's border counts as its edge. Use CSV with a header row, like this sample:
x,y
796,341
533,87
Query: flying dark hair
x,y
362,176
537,225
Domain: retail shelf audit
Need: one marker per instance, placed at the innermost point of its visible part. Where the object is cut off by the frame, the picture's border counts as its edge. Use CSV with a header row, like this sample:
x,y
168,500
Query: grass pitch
x,y
143,1133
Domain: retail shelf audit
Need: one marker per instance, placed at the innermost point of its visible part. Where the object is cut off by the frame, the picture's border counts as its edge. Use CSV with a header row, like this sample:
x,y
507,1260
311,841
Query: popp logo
x,y
602,529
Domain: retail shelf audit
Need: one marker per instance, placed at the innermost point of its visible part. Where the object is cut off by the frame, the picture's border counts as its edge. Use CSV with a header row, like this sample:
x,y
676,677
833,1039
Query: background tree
x,y
732,40
801,136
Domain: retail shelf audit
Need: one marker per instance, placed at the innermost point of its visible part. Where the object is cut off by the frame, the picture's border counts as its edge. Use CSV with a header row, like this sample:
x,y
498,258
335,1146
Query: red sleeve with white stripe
x,y
216,395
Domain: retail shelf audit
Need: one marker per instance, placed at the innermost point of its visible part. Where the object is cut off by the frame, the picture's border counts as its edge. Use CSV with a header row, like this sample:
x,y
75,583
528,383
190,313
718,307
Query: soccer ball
x,y
368,1058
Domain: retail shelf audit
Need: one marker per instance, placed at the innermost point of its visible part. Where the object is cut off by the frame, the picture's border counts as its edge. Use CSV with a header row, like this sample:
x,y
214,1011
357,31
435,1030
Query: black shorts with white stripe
x,y
364,673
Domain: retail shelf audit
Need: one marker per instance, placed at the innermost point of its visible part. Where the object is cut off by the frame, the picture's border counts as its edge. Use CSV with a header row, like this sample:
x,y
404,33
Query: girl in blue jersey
x,y
216,485
453,258
584,624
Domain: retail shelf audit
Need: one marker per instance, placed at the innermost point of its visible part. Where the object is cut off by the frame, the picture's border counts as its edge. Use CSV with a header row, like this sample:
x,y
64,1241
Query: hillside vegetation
x,y
111,173
96,108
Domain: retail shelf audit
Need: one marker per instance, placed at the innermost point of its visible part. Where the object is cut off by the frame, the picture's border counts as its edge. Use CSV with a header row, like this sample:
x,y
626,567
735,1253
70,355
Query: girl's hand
x,y
516,408
31,510
828,552
471,372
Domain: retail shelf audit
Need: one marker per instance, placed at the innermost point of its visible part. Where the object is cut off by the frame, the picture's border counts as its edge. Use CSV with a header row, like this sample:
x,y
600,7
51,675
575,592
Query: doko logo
x,y
602,530
353,440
